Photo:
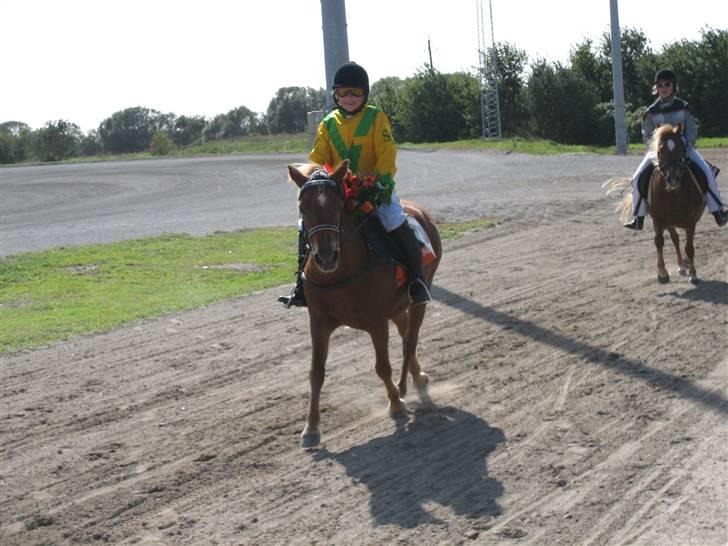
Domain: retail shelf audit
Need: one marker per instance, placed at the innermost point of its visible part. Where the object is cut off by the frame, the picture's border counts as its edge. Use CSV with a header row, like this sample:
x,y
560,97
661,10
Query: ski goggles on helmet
x,y
342,92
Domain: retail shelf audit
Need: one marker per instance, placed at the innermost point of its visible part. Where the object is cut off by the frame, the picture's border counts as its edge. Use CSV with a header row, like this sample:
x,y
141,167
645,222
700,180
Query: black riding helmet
x,y
351,75
665,75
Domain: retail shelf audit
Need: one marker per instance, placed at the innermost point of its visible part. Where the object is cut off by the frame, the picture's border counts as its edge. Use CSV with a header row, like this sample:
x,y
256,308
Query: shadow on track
x,y
438,457
707,291
615,361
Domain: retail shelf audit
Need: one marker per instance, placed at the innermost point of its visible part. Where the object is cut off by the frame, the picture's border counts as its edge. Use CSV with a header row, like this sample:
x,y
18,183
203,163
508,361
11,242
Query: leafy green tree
x,y
702,72
465,92
237,123
591,66
427,110
7,148
638,66
90,144
130,130
14,141
57,140
562,104
161,144
287,111
385,94
188,130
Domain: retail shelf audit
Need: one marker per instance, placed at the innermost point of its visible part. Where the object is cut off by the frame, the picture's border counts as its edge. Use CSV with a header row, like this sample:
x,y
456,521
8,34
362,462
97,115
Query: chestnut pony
x,y
344,286
675,199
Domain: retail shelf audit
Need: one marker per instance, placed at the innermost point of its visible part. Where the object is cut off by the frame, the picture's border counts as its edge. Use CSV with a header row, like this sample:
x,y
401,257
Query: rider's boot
x,y
637,223
407,242
721,217
297,298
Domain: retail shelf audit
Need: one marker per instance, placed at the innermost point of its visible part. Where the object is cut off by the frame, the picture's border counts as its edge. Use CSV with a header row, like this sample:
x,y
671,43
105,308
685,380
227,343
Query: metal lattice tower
x,y
488,75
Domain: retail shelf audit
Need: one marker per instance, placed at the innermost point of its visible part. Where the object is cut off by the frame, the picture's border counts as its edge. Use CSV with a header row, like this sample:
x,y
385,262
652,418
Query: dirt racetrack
x,y
576,401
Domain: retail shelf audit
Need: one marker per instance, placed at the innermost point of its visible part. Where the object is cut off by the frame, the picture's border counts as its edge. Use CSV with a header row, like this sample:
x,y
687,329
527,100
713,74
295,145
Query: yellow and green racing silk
x,y
365,139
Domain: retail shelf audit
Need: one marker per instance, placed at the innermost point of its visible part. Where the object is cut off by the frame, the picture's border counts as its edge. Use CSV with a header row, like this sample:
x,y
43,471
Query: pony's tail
x,y
621,184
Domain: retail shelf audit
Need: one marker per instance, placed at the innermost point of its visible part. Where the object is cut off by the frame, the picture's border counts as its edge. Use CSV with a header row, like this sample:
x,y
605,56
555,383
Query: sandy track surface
x,y
576,401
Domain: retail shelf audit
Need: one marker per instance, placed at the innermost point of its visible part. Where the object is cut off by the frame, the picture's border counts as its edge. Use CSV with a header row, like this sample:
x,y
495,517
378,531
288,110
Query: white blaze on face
x,y
322,198
671,145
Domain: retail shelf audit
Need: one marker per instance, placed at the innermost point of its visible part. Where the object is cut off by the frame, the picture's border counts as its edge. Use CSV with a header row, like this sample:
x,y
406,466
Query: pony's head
x,y
670,154
321,204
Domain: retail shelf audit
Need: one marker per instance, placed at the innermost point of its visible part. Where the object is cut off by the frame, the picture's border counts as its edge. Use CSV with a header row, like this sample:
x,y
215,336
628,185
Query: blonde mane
x,y
659,134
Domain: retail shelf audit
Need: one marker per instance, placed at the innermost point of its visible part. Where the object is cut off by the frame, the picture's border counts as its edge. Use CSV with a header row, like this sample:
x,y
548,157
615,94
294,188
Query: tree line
x,y
568,103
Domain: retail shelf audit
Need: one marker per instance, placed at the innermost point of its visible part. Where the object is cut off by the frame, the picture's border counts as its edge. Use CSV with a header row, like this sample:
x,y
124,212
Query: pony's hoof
x,y
683,271
663,280
694,280
398,412
310,437
423,384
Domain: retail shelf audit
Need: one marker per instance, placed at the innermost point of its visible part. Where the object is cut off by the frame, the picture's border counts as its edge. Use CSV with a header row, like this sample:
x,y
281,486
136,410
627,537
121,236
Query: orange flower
x,y
366,207
369,181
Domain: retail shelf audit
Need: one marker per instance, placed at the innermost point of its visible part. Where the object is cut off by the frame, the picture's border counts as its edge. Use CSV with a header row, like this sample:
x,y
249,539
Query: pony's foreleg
x,y
408,326
662,274
675,238
320,336
380,339
690,253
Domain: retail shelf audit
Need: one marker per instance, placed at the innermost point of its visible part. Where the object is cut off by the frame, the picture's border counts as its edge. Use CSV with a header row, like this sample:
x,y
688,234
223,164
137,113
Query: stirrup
x,y
721,217
418,293
637,223
294,299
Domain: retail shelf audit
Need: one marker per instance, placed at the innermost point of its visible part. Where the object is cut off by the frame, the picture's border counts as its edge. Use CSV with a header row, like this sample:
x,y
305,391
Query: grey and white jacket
x,y
672,111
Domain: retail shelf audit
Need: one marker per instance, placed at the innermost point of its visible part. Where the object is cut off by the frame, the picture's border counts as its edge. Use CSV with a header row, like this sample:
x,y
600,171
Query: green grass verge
x,y
300,143
57,294
546,147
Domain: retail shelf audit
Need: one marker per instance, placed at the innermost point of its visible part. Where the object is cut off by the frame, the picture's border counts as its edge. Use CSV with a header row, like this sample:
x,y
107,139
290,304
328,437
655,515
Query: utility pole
x,y
336,42
620,123
429,50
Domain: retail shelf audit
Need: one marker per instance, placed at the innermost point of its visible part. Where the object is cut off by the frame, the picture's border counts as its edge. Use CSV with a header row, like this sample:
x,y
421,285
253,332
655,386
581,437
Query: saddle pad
x,y
386,251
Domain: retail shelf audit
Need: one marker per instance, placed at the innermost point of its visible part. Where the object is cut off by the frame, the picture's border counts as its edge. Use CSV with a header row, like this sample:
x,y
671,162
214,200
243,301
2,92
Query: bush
x,y
161,144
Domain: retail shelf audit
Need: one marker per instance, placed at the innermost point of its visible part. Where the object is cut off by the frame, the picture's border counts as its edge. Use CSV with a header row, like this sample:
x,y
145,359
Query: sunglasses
x,y
342,92
664,84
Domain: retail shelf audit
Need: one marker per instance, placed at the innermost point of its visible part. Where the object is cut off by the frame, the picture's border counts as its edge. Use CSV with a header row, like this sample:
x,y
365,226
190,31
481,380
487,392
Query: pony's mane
x,y
660,133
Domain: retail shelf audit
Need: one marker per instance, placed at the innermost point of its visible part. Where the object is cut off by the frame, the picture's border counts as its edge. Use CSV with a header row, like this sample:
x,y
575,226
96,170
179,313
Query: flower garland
x,y
364,193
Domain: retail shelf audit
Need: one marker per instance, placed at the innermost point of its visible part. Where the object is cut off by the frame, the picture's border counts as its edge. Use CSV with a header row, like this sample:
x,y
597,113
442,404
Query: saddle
x,y
384,250
643,183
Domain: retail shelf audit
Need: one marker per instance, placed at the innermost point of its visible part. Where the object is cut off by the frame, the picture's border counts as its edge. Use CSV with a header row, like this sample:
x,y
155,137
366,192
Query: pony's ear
x,y
340,170
297,176
680,128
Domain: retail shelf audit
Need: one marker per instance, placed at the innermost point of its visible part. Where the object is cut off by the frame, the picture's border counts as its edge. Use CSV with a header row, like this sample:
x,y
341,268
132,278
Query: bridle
x,y
666,166
320,180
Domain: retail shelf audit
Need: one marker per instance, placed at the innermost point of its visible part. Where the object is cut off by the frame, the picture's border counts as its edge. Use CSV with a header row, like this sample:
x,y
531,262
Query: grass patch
x,y
547,147
53,295
457,229
298,143
56,294
301,143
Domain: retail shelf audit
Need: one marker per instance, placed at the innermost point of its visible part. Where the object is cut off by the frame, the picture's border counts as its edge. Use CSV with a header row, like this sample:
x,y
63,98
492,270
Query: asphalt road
x,y
48,206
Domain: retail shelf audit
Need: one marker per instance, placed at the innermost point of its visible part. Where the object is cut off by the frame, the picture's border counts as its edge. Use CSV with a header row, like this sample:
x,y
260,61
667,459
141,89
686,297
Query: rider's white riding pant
x,y
696,158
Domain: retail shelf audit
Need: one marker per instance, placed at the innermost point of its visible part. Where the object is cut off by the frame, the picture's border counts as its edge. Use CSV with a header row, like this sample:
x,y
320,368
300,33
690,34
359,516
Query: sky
x,y
83,60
